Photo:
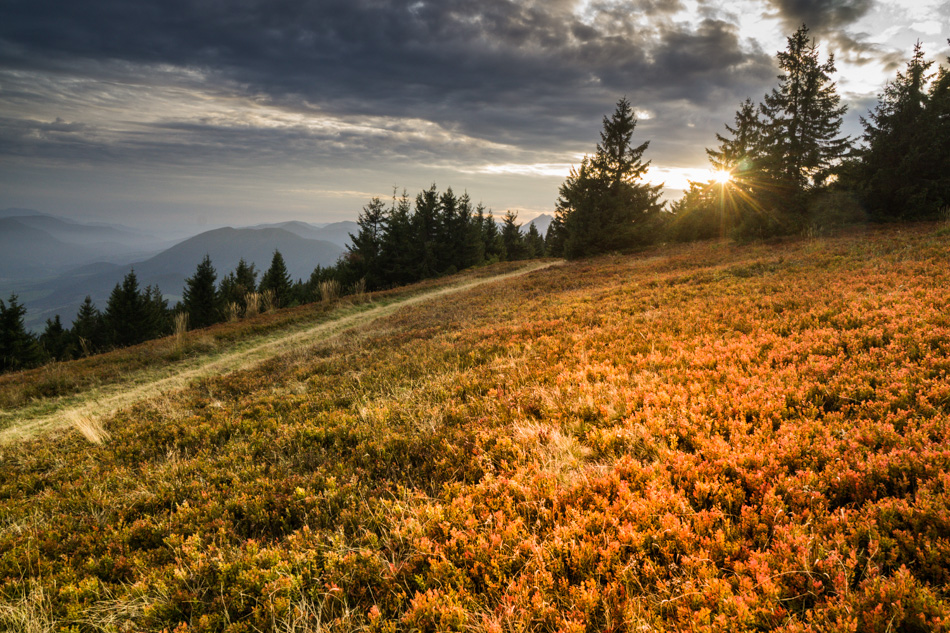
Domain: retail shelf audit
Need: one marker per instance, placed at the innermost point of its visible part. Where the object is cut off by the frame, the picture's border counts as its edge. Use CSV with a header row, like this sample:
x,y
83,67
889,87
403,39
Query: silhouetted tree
x,y
56,340
902,166
603,205
471,248
515,247
802,117
200,298
554,239
88,330
366,247
399,251
278,280
126,315
425,225
534,242
19,349
237,284
491,236
158,315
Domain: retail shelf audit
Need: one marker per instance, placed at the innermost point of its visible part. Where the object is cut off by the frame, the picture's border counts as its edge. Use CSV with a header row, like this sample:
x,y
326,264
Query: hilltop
x,y
696,437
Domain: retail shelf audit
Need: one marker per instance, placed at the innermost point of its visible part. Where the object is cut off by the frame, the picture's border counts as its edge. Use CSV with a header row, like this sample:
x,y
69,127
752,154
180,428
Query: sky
x,y
204,113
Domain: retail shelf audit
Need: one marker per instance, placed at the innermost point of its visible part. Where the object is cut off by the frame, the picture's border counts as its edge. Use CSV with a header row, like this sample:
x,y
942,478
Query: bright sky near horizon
x,y
183,113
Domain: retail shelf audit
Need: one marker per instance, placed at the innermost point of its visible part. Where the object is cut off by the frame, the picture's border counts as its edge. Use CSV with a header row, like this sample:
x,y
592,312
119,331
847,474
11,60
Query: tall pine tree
x,y
802,117
604,205
200,297
366,247
126,315
19,349
278,281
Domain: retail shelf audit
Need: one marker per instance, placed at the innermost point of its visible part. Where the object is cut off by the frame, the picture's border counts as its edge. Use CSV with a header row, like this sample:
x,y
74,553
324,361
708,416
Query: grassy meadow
x,y
705,437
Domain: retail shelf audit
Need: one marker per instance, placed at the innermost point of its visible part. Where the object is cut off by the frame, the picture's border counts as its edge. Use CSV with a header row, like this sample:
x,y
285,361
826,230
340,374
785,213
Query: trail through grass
x,y
87,408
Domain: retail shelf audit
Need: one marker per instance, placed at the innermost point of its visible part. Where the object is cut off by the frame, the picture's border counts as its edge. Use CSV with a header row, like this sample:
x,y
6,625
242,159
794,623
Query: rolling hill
x,y
703,437
168,269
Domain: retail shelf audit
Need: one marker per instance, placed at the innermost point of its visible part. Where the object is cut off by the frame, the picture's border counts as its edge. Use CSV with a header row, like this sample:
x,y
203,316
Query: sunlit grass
x,y
705,437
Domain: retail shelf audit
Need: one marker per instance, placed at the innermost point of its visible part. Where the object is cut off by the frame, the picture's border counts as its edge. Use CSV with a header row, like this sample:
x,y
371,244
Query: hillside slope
x,y
704,437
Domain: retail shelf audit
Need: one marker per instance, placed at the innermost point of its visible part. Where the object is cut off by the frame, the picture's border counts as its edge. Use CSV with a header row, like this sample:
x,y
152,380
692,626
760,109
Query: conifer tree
x,y
88,331
554,239
515,247
19,349
603,205
366,247
237,284
200,297
425,224
902,170
534,242
739,152
277,279
399,251
803,117
56,340
471,248
158,316
491,236
126,315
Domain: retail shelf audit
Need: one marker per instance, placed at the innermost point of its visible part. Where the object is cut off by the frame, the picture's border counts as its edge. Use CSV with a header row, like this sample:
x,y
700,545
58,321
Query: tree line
x,y
782,166
404,242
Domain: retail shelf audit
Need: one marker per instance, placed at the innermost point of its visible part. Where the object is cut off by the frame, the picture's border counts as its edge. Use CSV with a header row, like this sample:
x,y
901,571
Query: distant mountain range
x,y
52,263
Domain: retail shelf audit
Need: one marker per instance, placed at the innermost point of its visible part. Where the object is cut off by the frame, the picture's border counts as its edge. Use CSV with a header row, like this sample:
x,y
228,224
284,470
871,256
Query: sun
x,y
722,176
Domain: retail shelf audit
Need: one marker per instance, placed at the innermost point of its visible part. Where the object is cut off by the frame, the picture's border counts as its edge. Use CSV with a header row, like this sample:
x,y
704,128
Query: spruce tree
x,y
515,247
56,340
366,247
277,280
739,152
491,236
19,349
425,223
237,284
714,208
88,331
450,234
603,205
200,297
901,164
126,315
471,247
534,242
158,316
803,117
399,249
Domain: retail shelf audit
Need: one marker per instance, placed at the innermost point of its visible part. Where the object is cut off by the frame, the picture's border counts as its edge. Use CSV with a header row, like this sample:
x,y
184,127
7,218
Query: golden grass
x,y
90,427
48,414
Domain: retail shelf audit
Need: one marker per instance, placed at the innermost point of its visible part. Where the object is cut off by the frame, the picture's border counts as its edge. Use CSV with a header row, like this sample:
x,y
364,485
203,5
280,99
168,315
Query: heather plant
x,y
704,437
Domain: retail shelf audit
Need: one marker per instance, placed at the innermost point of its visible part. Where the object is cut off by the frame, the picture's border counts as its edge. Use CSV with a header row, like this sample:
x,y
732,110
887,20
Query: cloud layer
x,y
363,84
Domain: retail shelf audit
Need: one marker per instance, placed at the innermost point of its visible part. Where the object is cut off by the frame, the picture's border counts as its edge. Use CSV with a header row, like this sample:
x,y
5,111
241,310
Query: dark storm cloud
x,y
524,73
822,15
829,20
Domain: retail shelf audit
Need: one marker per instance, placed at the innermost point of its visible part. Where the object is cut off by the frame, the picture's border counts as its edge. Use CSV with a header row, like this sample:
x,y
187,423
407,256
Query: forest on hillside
x,y
782,168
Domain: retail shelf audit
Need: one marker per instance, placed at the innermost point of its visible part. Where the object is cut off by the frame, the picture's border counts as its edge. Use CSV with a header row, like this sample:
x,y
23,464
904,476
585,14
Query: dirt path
x,y
117,396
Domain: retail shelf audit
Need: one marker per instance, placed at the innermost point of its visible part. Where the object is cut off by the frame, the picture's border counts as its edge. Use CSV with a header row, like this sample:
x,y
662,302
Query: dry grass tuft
x,y
268,301
181,329
329,290
30,613
253,301
91,428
